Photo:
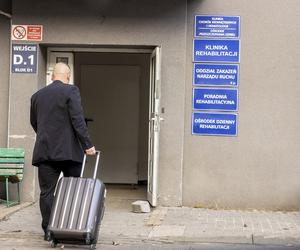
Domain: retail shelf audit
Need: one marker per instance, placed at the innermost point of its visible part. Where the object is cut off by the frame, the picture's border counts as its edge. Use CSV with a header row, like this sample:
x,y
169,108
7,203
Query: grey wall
x,y
260,167
4,80
4,77
123,23
5,5
20,132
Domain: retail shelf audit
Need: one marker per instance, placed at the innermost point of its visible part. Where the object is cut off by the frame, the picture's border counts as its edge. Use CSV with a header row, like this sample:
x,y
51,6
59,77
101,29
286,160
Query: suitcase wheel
x,y
93,246
53,243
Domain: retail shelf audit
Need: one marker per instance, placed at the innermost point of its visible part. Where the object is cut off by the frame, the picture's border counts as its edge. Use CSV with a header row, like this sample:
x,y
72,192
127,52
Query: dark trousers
x,y
48,173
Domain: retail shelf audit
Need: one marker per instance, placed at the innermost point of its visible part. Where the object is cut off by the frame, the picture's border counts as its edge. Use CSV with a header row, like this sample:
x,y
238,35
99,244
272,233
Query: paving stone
x,y
167,231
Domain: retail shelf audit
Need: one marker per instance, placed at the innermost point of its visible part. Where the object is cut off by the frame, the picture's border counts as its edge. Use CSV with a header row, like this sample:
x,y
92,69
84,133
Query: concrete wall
x,y
259,168
122,23
5,5
4,77
20,132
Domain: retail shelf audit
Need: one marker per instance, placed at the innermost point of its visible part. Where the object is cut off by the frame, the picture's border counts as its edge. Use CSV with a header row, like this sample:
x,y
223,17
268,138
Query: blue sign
x,y
217,26
214,124
215,99
24,58
216,74
207,50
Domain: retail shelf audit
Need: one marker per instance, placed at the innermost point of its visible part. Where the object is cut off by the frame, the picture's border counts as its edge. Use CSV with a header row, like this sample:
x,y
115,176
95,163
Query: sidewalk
x,y
165,225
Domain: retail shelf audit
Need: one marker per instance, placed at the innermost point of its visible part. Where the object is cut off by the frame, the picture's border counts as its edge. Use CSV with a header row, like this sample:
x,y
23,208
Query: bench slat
x,y
12,153
11,160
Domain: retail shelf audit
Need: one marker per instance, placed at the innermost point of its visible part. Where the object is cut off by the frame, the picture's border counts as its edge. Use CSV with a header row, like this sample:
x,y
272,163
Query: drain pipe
x,y
9,77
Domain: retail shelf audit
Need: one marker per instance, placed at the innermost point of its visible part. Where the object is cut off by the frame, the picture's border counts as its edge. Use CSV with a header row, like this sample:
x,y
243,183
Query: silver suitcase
x,y
77,210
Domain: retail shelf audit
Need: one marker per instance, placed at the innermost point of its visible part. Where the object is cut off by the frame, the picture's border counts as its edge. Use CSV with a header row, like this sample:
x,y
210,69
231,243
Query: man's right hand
x,y
90,151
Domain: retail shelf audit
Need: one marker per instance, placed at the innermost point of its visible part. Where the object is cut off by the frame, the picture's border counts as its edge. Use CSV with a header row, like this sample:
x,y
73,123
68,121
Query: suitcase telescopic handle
x,y
96,164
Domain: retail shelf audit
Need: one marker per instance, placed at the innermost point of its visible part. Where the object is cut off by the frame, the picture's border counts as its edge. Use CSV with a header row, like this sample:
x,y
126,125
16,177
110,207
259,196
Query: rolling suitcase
x,y
77,210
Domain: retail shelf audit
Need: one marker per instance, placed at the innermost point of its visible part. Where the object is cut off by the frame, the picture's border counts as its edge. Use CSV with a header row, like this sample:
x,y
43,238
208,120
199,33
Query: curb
x,y
249,240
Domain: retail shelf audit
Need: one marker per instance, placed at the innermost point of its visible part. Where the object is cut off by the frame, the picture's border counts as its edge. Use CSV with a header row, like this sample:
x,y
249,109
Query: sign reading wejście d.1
x,y
215,99
217,50
217,26
24,58
214,124
216,74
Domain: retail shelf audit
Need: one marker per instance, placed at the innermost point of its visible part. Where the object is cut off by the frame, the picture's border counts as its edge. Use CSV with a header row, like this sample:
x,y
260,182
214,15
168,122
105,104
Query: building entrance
x,y
120,97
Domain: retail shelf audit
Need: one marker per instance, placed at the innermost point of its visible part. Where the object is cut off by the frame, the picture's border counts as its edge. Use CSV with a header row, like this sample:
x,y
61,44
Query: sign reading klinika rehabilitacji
x,y
207,50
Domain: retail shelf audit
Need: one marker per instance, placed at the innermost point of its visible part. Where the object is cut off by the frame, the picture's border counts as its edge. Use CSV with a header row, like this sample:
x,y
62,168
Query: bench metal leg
x,y
6,188
7,201
19,200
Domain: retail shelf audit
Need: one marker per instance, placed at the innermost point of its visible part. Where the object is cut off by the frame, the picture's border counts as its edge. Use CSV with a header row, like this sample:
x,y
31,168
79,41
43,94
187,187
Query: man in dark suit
x,y
62,137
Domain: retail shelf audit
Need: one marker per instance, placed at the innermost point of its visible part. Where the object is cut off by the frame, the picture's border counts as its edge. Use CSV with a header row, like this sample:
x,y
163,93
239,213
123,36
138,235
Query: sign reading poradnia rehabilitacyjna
x,y
215,99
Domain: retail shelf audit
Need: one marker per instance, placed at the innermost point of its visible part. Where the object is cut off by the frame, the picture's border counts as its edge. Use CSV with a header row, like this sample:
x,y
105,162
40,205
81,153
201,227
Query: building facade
x,y
133,62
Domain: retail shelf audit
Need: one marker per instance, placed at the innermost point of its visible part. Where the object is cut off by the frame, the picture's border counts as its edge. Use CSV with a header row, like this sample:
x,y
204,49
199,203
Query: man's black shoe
x,y
47,236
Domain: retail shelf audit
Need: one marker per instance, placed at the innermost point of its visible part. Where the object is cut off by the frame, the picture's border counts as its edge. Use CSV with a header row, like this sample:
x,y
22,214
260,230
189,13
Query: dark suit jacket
x,y
57,118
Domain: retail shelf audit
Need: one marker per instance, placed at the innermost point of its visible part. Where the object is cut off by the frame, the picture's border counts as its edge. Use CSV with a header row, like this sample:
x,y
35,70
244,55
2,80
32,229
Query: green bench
x,y
11,170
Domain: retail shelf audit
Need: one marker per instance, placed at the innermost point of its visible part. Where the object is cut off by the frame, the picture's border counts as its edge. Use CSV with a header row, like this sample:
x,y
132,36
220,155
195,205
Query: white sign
x,y
27,32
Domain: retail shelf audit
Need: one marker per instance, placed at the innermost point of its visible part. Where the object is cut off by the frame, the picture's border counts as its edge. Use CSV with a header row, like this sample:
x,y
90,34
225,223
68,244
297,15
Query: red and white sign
x,y
27,32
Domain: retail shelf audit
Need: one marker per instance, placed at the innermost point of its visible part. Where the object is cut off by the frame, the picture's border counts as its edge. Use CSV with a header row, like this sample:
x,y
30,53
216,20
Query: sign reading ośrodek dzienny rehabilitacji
x,y
214,124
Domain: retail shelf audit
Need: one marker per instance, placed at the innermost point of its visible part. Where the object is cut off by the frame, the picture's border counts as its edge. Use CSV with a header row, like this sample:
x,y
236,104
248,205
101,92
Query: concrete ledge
x,y
287,241
231,240
7,211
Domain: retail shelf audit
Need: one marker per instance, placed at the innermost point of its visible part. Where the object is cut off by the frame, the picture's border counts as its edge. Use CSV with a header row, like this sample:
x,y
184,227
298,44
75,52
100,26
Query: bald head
x,y
61,72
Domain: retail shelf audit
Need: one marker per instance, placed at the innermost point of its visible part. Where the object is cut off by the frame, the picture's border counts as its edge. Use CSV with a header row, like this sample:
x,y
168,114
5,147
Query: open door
x,y
154,127
55,57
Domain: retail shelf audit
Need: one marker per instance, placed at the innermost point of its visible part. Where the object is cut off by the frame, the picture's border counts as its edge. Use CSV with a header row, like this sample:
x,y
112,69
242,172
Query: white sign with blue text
x,y
215,99
24,58
214,124
217,26
216,74
208,50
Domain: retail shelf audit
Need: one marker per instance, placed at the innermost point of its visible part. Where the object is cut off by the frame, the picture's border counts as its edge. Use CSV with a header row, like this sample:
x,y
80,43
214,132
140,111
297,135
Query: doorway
x,y
120,97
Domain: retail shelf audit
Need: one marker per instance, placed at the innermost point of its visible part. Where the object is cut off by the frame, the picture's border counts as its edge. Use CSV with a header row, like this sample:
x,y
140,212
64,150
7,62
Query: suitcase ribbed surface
x,y
76,204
